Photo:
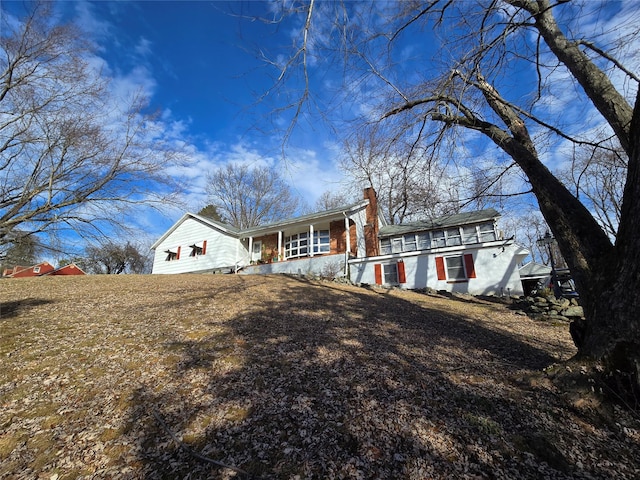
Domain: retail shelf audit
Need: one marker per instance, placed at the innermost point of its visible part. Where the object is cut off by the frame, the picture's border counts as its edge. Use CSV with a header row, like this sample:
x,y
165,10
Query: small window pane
x,y
396,245
410,243
437,239
455,268
453,237
469,234
424,241
487,232
385,246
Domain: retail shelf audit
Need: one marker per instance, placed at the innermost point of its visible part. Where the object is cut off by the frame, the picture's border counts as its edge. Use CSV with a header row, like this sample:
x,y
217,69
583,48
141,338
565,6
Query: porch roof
x,y
326,215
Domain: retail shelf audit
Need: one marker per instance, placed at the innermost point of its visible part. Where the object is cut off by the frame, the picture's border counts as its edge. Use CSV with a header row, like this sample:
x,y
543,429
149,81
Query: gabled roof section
x,y
534,270
445,221
223,227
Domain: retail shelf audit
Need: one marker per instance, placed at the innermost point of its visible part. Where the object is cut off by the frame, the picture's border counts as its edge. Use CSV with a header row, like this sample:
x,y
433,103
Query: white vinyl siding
x,y
223,250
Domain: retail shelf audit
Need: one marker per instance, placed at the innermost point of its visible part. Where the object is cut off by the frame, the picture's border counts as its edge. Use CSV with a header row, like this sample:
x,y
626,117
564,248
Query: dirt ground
x,y
228,376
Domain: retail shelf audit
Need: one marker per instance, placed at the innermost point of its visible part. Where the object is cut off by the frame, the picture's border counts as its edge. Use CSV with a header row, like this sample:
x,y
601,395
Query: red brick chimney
x,y
371,226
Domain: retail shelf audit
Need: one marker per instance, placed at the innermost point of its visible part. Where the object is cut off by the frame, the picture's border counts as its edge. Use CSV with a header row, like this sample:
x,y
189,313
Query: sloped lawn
x,y
277,377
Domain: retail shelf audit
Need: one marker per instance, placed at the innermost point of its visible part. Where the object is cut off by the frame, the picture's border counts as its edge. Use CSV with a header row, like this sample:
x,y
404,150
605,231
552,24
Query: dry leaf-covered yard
x,y
278,377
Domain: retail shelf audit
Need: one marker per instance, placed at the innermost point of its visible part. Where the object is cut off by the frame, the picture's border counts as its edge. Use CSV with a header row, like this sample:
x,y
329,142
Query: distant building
x,y
42,269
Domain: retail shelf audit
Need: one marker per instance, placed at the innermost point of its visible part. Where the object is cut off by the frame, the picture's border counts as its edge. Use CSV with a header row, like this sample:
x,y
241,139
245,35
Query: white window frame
x,y
470,234
385,246
488,231
390,273
297,245
410,243
461,267
423,241
438,239
454,237
321,241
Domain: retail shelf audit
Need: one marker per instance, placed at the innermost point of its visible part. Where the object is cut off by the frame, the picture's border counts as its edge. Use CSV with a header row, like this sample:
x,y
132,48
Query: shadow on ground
x,y
319,382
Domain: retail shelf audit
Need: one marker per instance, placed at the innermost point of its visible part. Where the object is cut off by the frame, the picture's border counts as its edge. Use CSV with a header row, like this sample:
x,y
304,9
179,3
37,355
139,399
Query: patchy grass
x,y
285,378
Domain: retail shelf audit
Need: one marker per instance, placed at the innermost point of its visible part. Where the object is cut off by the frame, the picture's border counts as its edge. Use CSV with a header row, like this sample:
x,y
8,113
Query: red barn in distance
x,y
42,269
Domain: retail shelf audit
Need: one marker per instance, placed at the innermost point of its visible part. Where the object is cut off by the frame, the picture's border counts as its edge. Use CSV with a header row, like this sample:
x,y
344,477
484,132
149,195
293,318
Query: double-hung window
x,y
469,234
455,268
453,237
424,241
410,244
437,239
385,246
390,273
487,232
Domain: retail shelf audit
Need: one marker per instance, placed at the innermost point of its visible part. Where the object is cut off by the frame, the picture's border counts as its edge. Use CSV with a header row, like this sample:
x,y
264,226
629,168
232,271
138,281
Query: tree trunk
x,y
611,332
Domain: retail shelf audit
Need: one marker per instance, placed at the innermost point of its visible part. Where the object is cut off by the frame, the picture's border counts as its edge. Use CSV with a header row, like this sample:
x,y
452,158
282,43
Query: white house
x,y
301,245
463,252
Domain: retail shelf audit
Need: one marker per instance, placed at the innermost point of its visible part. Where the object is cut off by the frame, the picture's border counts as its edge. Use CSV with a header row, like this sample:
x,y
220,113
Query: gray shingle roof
x,y
445,221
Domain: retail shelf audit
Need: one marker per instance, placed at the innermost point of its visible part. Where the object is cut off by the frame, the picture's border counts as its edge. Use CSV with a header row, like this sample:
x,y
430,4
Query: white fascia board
x,y
186,216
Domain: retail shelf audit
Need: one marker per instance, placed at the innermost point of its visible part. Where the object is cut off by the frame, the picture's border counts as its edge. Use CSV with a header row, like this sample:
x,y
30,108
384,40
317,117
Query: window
x,y
321,241
198,249
424,241
410,243
456,268
36,269
453,237
396,245
469,234
390,273
385,246
172,254
487,232
437,239
297,245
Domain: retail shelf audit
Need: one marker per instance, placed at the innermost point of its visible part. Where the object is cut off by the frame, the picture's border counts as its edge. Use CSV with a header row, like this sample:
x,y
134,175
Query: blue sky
x,y
200,64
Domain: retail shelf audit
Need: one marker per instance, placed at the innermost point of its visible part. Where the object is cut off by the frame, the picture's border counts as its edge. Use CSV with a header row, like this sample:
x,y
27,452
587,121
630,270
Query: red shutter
x,y
442,275
204,247
468,266
378,271
402,276
178,254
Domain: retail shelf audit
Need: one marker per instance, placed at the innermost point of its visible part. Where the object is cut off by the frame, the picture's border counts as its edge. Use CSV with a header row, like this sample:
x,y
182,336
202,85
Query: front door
x,y
256,251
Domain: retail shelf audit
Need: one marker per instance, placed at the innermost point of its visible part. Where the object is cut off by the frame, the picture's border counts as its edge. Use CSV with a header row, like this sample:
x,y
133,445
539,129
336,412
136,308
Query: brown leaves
x,y
283,378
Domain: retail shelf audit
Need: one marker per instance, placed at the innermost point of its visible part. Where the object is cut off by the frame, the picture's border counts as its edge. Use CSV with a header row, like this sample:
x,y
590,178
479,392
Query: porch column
x,y
250,249
347,234
310,241
280,245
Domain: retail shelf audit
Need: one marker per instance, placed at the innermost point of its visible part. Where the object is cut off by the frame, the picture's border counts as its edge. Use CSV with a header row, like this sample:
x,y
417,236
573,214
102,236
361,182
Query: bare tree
x,y
250,196
113,259
500,68
597,177
409,186
329,200
72,155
